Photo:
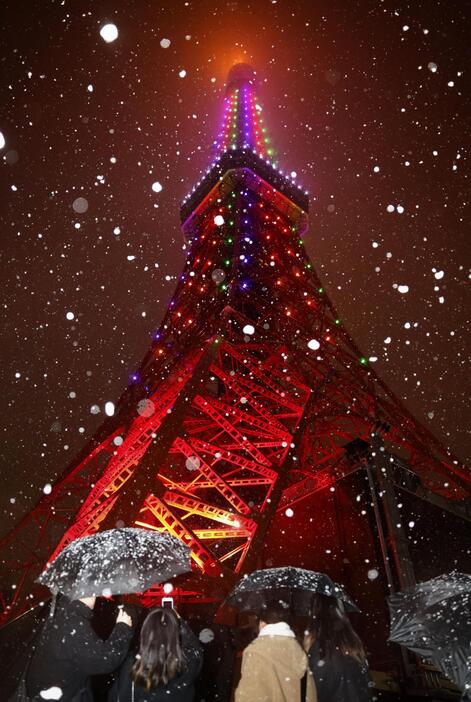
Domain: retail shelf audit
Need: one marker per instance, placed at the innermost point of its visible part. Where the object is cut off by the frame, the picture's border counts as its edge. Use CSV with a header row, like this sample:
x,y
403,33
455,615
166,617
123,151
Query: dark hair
x,y
160,652
331,629
274,612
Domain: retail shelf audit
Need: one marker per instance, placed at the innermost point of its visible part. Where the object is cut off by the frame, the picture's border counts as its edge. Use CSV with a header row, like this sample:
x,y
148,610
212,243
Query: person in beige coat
x,y
274,666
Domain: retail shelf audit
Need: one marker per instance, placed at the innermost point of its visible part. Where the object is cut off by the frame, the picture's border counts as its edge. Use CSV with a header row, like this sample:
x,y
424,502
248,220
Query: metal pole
x,y
397,537
379,526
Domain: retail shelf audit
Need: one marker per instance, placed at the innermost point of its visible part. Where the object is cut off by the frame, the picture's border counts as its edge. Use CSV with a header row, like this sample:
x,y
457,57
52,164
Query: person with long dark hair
x,y
336,654
167,664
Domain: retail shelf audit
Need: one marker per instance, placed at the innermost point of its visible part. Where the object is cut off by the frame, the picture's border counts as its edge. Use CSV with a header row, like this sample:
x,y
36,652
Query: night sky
x,y
367,101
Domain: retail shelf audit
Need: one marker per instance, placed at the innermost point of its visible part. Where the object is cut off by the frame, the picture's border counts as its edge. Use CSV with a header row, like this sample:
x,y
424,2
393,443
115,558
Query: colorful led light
x,y
242,123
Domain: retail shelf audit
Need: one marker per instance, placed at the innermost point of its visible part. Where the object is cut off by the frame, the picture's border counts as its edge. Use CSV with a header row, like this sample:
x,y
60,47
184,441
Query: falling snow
x,y
52,693
192,463
109,33
93,245
206,636
80,205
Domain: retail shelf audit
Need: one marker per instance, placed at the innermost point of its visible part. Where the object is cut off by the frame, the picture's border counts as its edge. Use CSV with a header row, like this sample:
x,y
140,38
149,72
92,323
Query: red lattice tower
x,y
248,397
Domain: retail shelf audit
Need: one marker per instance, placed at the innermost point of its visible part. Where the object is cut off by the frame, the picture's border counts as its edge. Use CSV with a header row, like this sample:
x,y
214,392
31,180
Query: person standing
x,y
216,680
336,655
69,651
167,665
274,666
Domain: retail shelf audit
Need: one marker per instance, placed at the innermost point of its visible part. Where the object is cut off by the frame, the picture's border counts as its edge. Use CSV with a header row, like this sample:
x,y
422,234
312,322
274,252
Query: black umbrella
x,y
433,619
115,562
296,586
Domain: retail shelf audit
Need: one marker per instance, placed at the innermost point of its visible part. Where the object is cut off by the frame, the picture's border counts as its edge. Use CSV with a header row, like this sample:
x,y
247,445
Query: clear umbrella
x,y
296,586
433,619
115,562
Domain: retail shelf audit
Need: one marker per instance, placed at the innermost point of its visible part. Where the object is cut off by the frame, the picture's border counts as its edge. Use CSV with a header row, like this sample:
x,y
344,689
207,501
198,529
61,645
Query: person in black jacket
x,y
167,665
217,675
69,651
336,655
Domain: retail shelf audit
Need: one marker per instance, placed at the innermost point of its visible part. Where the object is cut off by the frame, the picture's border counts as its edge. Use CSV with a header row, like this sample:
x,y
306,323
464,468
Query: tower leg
x,y
397,538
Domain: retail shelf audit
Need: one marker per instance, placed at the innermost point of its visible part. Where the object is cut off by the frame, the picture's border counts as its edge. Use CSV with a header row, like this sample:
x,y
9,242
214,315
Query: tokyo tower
x,y
252,397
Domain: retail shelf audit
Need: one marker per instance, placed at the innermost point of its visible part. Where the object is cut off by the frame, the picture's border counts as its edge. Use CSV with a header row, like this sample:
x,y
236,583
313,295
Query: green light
x,y
227,262
308,265
300,241
223,287
363,361
233,194
229,241
337,321
321,290
231,222
270,152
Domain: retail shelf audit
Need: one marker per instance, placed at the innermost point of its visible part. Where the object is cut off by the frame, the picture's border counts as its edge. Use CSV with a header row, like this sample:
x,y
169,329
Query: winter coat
x,y
273,667
339,678
179,689
219,655
69,651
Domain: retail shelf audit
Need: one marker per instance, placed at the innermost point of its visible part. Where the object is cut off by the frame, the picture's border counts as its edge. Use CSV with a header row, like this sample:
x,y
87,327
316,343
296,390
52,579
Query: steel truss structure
x,y
245,402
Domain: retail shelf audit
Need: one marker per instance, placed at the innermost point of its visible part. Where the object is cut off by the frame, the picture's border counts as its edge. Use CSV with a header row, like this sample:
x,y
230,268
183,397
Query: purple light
x,y
134,377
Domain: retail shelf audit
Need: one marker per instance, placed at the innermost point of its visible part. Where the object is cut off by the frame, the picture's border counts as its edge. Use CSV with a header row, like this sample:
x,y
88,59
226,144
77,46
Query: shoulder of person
x,y
260,643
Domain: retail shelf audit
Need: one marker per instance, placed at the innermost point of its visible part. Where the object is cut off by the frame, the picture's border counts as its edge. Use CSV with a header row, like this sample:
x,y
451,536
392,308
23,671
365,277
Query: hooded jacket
x,y
69,651
273,667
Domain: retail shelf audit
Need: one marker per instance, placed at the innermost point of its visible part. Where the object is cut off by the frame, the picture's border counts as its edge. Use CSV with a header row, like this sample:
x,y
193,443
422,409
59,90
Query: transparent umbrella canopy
x,y
296,586
433,619
114,562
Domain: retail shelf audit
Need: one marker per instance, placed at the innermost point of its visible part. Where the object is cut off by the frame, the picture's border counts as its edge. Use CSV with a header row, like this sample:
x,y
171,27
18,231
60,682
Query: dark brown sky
x,y
348,88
